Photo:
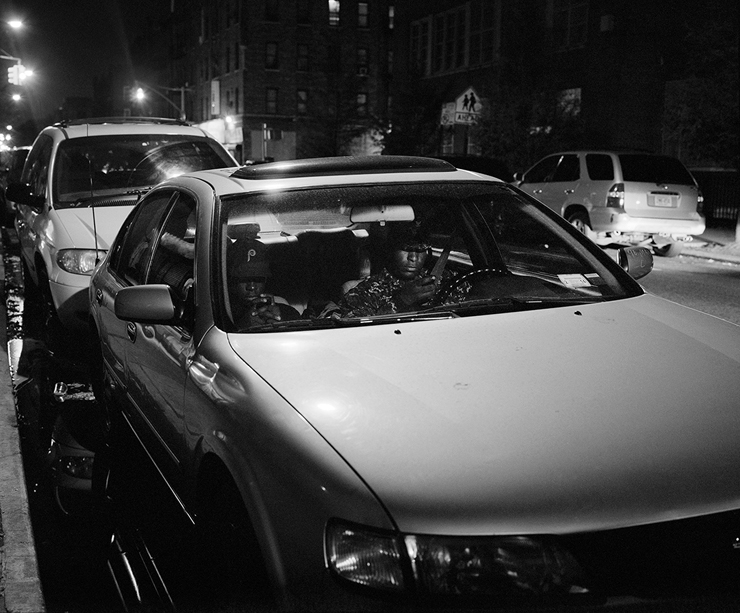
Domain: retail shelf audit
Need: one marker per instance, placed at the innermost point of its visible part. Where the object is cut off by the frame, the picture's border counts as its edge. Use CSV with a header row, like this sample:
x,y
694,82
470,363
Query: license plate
x,y
662,200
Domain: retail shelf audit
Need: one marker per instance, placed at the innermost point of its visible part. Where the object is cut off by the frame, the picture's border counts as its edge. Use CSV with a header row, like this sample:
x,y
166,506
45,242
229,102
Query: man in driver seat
x,y
404,284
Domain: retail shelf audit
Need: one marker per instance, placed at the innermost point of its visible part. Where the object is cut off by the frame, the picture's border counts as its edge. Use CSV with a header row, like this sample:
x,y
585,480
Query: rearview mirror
x,y
635,261
381,213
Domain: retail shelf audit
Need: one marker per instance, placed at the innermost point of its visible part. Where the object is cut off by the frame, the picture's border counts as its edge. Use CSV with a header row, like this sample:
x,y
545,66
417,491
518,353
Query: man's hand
x,y
263,312
416,292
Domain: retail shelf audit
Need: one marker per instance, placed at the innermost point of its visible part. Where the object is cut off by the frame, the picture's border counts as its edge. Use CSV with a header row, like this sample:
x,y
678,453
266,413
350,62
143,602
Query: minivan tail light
x,y
700,202
615,197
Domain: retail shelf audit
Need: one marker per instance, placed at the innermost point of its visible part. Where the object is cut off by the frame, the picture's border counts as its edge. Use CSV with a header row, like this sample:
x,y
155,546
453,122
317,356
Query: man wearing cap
x,y
249,270
403,285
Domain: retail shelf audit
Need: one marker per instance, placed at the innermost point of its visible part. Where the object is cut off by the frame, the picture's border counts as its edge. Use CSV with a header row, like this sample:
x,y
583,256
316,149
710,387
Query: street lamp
x,y
142,88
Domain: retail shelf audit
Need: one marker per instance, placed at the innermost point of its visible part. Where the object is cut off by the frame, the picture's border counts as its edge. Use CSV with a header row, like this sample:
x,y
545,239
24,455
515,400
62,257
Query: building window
x,y
228,59
362,15
236,100
272,10
362,61
389,62
420,49
302,58
483,39
362,104
301,102
303,11
569,23
391,16
333,12
271,101
271,56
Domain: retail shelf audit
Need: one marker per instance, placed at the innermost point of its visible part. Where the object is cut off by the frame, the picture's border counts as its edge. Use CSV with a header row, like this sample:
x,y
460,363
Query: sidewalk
x,y
20,586
717,244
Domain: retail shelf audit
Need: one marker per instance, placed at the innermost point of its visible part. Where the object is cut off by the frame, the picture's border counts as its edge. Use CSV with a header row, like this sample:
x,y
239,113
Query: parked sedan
x,y
540,430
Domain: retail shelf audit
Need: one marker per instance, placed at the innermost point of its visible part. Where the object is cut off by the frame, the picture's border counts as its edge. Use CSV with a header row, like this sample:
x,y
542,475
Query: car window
x,y
132,252
174,255
36,171
107,165
488,247
654,169
599,167
569,169
543,171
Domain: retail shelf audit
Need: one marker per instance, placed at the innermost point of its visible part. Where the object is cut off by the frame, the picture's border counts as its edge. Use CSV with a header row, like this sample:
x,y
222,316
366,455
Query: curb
x,y
20,585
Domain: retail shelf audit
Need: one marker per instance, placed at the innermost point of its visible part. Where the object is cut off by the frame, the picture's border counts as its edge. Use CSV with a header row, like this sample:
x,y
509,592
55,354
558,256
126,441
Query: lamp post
x,y
140,94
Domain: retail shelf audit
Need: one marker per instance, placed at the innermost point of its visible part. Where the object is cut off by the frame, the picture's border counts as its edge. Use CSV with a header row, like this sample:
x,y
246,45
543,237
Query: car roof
x,y
341,170
103,126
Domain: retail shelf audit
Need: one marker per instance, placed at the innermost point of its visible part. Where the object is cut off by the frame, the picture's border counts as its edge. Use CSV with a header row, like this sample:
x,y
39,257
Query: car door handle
x,y
569,191
131,331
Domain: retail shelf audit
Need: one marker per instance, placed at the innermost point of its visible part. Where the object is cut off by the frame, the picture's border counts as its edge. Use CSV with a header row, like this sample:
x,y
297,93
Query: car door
x,y
158,355
127,264
36,175
553,180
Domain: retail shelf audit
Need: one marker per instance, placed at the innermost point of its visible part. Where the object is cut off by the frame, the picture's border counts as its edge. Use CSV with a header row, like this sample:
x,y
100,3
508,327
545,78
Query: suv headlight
x,y
79,261
504,566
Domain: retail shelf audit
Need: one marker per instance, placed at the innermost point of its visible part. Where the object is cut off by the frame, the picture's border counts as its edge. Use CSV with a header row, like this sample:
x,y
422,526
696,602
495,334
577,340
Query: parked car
x,y
10,172
80,181
621,198
541,430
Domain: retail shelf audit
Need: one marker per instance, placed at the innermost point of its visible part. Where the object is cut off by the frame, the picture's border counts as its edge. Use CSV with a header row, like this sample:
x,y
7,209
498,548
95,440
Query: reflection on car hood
x,y
557,420
79,226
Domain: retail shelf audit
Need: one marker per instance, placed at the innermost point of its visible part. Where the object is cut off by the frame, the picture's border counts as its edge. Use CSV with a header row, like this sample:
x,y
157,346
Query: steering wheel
x,y
447,288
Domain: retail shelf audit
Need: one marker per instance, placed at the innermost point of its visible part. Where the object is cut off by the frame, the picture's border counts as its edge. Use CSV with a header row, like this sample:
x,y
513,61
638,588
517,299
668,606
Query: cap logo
x,y
250,254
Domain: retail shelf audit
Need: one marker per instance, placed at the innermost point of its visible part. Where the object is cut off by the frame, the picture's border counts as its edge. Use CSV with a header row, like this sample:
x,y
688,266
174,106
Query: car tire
x,y
579,220
669,250
52,331
232,564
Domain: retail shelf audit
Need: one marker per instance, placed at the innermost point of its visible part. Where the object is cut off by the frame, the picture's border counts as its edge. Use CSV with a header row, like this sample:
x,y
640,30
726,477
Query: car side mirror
x,y
635,261
146,304
518,178
21,193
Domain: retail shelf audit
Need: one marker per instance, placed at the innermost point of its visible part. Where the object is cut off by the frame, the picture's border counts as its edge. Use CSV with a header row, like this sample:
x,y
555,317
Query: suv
x,y
623,198
79,183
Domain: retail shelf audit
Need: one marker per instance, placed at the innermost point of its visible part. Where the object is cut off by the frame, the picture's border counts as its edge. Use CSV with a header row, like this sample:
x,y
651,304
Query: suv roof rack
x,y
349,165
101,120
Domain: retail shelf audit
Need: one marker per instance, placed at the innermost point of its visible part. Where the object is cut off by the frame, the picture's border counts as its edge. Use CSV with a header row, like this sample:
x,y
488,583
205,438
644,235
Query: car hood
x,y
549,421
77,226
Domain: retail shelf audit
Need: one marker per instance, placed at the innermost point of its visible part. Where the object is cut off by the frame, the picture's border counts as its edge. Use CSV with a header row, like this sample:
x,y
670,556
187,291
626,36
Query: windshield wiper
x,y
117,199
321,323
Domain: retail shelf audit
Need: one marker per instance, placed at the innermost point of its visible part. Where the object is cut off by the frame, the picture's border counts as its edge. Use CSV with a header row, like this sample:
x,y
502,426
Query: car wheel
x,y
579,220
52,331
669,250
232,565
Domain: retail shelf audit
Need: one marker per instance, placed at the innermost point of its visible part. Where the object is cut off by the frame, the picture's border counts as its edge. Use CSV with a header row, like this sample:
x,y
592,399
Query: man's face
x,y
408,264
250,288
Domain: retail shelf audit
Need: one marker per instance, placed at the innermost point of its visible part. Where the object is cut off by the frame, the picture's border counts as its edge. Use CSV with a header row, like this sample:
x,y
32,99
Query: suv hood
x,y
549,421
75,227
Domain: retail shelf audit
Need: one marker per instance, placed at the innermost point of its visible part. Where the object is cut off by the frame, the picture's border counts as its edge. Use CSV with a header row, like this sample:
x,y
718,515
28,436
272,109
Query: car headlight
x,y
79,261
364,556
506,566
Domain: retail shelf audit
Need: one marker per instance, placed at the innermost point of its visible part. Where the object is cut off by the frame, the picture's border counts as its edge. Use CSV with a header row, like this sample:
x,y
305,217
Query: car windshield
x,y
349,256
111,165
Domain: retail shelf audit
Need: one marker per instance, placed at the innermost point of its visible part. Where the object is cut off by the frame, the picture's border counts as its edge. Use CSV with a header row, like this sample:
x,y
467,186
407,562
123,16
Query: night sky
x,y
68,42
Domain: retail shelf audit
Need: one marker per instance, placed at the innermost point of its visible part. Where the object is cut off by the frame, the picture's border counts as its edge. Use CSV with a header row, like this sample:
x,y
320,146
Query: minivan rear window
x,y
657,169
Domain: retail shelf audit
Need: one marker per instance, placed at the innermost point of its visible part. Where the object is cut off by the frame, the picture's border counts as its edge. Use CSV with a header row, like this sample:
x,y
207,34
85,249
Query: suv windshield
x,y
657,169
343,256
108,165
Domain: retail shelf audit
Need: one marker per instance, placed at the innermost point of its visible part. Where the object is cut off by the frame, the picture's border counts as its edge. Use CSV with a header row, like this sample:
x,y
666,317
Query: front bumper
x,y
72,303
